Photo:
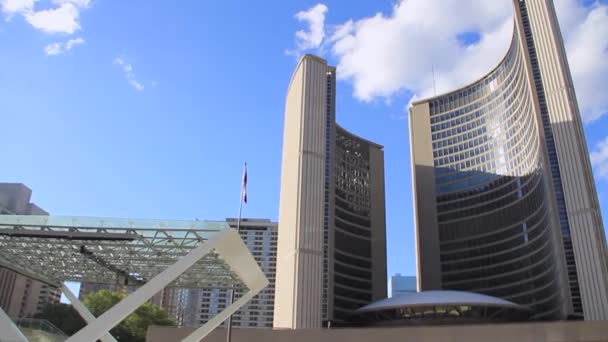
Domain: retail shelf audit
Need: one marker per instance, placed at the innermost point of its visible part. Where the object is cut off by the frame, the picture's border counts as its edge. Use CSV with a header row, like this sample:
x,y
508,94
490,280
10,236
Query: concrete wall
x,y
15,197
428,266
378,222
299,283
526,332
581,200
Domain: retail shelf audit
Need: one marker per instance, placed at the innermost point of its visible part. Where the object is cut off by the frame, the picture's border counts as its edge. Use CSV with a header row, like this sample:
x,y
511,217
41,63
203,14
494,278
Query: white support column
x,y
83,311
8,329
120,311
244,265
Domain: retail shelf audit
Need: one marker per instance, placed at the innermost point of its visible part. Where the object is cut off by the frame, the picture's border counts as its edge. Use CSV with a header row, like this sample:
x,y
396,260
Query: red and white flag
x,y
244,185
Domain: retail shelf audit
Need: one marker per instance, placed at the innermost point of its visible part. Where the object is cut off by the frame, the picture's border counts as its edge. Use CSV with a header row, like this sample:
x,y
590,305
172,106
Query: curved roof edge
x,y
301,60
436,298
428,99
374,144
311,56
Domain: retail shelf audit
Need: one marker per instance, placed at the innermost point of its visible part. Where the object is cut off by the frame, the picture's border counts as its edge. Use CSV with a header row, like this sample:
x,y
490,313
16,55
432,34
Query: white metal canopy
x,y
149,254
102,250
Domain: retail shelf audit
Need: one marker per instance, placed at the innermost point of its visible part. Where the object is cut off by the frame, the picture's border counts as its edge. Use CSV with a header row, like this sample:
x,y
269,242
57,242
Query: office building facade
x,y
15,200
181,305
21,296
400,284
260,236
86,288
332,242
505,201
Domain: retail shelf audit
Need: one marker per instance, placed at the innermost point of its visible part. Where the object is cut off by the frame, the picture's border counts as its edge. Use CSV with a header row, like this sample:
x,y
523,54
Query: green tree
x,y
133,328
63,316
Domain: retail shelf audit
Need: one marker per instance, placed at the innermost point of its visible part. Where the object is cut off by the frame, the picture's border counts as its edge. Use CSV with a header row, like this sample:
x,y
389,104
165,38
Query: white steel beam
x,y
250,273
8,329
83,311
227,241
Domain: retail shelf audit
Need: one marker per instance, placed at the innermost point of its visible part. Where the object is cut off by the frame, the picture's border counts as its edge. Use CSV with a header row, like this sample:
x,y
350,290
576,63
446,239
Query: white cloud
x,y
127,68
54,49
63,18
599,159
313,37
399,117
587,48
384,54
78,3
11,7
387,53
60,48
70,43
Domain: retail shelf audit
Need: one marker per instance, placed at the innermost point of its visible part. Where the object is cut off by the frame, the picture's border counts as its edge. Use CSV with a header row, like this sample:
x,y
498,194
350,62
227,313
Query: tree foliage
x,y
63,316
133,328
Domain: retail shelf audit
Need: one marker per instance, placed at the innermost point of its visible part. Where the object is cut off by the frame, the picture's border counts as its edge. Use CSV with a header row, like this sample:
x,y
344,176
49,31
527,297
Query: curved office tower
x,y
505,202
357,271
331,253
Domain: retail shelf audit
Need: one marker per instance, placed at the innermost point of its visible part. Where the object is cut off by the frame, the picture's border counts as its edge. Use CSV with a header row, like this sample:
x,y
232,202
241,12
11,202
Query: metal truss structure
x,y
149,254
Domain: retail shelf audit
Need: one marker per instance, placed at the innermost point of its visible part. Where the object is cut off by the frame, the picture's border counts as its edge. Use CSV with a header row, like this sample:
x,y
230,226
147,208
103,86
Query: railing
x,y
40,330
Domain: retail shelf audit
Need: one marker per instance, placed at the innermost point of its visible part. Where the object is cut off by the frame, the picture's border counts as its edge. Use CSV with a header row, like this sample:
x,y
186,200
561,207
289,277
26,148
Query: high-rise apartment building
x,y
182,305
260,236
332,242
15,200
87,288
400,284
21,296
505,202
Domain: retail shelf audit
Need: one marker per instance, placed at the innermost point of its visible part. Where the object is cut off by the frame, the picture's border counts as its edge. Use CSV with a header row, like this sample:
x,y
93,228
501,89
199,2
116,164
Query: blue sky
x,y
143,109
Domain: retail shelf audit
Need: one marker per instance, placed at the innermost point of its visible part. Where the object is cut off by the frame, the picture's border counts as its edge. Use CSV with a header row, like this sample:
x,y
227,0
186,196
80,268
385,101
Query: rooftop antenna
x,y
433,71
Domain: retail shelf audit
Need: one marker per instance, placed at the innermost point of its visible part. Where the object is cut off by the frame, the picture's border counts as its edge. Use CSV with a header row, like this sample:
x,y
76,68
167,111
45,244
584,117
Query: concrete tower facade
x,y
331,256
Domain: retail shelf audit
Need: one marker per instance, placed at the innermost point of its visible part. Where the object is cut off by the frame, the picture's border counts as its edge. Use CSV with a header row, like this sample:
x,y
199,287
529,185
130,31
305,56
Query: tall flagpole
x,y
238,229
